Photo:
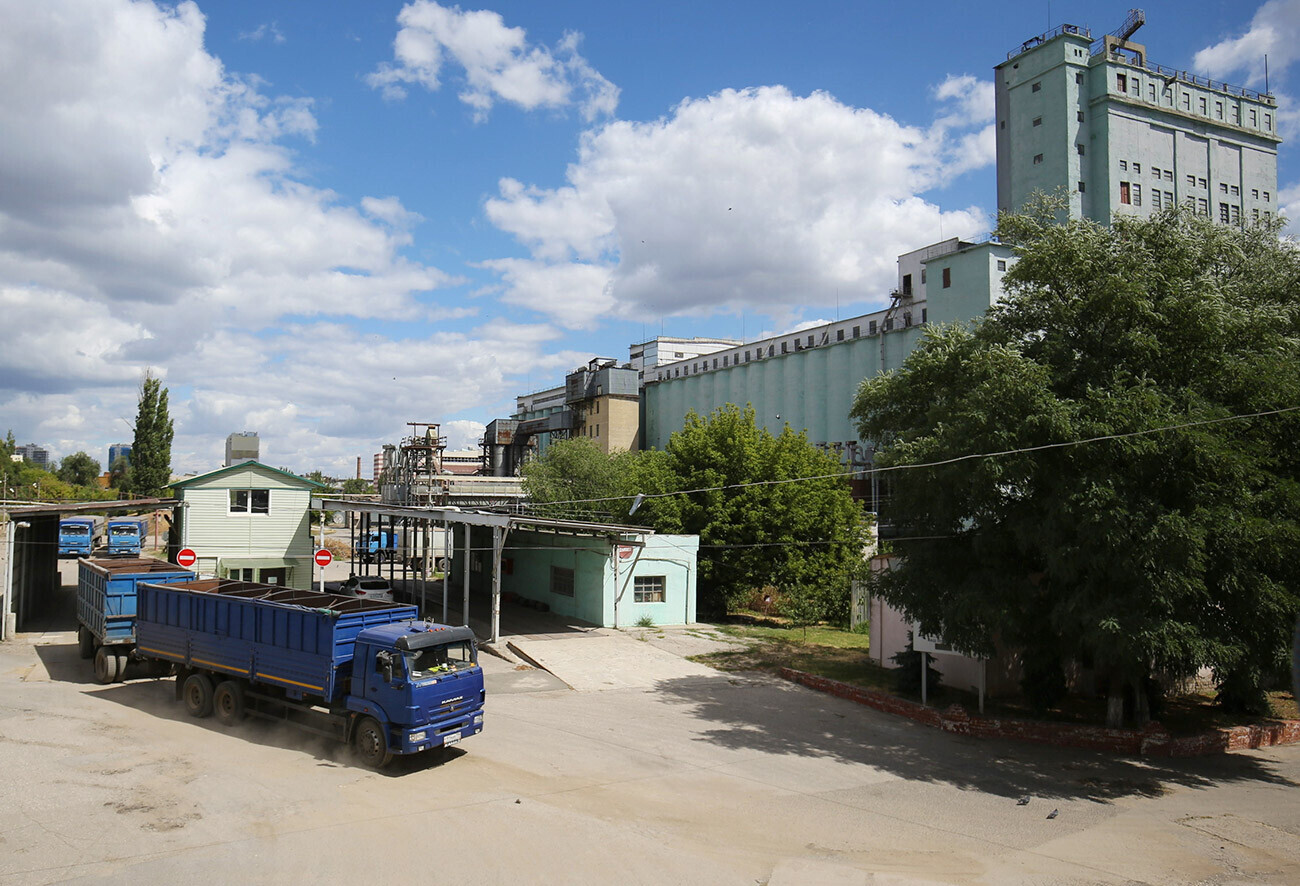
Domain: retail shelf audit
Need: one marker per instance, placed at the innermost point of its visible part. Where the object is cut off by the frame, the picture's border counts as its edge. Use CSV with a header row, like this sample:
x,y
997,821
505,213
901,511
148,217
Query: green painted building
x,y
809,378
247,521
1116,133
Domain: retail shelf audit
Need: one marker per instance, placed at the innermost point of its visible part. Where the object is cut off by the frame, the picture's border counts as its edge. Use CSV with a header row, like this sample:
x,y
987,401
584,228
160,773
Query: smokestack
x,y
358,467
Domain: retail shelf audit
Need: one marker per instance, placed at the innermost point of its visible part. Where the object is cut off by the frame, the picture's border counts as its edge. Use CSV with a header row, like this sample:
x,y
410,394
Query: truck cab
x,y
420,682
125,536
77,536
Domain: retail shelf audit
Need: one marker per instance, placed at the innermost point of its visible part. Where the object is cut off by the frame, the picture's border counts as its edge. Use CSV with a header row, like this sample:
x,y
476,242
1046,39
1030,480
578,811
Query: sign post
x,y
323,558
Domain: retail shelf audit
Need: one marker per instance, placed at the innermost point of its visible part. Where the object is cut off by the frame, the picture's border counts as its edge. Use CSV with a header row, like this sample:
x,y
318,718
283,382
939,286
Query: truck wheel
x,y
122,659
105,665
198,695
228,703
85,643
371,744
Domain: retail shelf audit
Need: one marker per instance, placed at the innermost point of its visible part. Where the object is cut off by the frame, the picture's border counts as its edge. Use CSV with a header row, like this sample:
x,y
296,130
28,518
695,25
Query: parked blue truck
x,y
106,608
367,673
125,535
79,536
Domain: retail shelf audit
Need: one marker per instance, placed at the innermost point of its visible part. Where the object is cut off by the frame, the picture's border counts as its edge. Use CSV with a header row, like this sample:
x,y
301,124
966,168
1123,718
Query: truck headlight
x,y
418,736
478,718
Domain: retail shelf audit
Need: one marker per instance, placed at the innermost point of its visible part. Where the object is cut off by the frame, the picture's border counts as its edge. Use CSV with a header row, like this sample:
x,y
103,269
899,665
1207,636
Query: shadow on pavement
x,y
775,717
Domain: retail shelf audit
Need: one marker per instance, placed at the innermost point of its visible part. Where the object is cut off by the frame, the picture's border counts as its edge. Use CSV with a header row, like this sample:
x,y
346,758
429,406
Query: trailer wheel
x,y
105,665
198,695
228,703
85,643
371,744
122,659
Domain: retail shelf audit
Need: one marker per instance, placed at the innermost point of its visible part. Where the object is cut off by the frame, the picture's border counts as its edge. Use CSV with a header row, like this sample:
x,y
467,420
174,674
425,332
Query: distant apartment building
x,y
241,447
116,451
37,455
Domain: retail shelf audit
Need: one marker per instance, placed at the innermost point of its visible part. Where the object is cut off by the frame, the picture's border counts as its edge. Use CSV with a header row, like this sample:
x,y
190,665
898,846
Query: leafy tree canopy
x,y
1147,551
574,479
151,449
79,469
756,530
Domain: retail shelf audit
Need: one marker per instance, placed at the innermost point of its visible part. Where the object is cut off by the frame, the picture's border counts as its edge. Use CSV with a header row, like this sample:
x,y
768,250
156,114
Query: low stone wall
x,y
1153,740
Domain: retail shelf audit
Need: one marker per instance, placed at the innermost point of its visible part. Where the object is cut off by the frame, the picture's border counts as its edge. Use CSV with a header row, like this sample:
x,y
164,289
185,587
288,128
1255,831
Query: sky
x,y
321,221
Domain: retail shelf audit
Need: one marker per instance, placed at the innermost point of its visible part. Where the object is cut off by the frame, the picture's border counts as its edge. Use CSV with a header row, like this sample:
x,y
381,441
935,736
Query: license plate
x,y
451,738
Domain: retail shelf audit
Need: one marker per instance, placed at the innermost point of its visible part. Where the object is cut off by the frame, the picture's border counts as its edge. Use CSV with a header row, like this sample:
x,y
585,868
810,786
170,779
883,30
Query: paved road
x,y
713,779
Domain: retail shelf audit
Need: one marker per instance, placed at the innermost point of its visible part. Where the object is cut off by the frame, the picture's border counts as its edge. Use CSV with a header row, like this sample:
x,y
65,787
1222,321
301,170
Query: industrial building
x,y
1118,134
1091,119
242,446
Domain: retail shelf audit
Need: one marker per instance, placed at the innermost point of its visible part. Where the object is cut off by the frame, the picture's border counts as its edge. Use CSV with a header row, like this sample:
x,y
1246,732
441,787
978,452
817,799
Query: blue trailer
x,y
367,673
106,608
78,536
125,535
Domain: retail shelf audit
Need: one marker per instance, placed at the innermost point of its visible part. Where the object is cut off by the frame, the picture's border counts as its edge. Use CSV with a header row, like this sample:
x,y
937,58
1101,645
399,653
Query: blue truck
x,y
79,536
106,608
125,535
366,673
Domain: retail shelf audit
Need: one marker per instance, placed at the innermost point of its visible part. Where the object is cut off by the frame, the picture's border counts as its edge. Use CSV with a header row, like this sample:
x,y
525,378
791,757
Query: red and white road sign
x,y
186,557
324,558
625,552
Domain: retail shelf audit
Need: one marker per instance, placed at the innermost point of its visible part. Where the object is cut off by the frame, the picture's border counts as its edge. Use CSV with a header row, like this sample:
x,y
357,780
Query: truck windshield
x,y
444,659
75,529
122,530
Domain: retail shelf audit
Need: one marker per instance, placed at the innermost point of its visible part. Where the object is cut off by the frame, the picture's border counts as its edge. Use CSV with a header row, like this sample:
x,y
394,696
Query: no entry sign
x,y
324,558
186,557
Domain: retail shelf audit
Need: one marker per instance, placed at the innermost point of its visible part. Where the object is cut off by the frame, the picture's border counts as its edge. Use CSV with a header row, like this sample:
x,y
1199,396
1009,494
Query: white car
x,y
368,587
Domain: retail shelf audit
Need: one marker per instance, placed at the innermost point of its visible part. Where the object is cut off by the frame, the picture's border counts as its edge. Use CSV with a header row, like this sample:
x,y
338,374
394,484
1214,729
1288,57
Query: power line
x,y
947,461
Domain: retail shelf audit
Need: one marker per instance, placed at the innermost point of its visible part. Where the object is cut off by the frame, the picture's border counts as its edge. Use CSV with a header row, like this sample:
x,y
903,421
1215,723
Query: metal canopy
x,y
479,518
28,509
500,524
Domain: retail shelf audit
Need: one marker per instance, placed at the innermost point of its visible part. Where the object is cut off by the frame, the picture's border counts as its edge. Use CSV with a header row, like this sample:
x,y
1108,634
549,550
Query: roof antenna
x,y
1266,92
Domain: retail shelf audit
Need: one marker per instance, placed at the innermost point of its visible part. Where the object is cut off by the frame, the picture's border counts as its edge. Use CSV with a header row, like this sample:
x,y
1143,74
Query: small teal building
x,y
612,579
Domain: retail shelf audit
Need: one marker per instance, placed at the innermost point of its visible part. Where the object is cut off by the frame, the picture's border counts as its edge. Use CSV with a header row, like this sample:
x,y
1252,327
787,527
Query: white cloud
x,y
152,215
463,434
1288,200
499,63
749,199
1274,31
262,32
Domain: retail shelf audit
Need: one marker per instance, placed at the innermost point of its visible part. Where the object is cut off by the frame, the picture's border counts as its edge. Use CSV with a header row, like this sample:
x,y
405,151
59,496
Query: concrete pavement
x,y
695,779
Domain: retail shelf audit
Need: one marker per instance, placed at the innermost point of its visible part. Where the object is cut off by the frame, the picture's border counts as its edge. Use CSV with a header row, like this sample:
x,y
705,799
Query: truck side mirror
x,y
384,661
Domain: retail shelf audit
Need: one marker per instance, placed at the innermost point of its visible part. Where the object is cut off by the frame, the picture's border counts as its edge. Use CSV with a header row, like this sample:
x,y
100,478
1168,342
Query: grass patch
x,y
816,635
842,655
828,651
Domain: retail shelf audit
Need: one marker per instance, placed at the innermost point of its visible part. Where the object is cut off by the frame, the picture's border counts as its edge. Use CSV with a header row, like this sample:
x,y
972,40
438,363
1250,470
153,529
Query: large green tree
x,y
151,449
79,469
1166,545
574,478
769,510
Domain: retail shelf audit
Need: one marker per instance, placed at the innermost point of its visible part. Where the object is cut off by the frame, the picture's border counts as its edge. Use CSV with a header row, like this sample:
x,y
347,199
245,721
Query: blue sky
x,y
320,221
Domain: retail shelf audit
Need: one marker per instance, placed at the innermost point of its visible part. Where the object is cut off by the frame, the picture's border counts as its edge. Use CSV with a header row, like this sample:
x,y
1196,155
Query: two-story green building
x,y
247,521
